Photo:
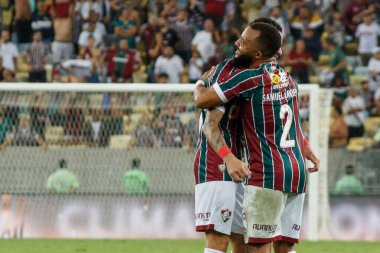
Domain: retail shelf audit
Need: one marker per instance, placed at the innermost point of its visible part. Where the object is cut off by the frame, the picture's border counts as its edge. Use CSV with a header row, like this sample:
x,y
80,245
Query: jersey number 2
x,y
284,143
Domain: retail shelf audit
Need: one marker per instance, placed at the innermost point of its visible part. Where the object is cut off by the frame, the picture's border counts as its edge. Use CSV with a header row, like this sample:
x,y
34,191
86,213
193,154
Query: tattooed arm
x,y
236,168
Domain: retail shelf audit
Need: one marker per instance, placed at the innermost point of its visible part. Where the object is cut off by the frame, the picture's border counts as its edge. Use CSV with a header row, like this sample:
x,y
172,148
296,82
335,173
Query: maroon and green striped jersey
x,y
207,161
271,125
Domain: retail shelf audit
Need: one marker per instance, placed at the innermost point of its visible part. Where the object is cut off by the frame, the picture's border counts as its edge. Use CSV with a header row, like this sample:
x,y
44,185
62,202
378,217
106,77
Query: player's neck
x,y
257,63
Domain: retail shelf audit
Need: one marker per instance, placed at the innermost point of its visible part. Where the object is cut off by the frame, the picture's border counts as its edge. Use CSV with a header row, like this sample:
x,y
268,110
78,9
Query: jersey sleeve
x,y
241,83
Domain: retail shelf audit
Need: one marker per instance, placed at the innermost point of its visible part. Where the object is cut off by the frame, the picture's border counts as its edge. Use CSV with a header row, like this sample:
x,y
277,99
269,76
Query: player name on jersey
x,y
278,96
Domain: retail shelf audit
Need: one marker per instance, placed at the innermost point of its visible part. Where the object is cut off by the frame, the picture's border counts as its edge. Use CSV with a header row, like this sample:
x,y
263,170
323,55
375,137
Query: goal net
x,y
116,161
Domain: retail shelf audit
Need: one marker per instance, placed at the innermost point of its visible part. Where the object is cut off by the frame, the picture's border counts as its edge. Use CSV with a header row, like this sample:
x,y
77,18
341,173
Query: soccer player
x,y
276,147
229,119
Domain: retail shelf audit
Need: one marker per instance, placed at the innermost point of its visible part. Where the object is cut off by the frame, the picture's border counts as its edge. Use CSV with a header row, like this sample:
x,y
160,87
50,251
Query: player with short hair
x,y
229,118
276,146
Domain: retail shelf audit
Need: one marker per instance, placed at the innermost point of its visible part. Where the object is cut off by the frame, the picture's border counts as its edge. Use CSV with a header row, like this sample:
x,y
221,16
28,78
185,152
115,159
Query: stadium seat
x,y
323,60
351,48
359,144
361,71
357,79
54,135
120,141
371,125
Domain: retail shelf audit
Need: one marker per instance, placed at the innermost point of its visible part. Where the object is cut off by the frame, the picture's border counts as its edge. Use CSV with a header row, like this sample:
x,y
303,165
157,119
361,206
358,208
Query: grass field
x,y
162,246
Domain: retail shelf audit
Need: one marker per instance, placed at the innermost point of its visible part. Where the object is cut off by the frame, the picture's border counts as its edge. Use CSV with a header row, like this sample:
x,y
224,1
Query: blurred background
x,y
119,164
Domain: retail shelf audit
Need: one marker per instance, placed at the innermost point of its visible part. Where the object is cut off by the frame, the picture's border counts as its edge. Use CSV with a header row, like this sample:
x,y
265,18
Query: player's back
x,y
208,164
271,125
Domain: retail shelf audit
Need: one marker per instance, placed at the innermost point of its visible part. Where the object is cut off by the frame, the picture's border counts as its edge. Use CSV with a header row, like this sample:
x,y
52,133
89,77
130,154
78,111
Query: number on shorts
x,y
284,143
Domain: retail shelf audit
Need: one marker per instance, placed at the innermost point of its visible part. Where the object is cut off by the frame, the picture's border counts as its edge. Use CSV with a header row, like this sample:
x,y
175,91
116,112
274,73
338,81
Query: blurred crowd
x,y
332,43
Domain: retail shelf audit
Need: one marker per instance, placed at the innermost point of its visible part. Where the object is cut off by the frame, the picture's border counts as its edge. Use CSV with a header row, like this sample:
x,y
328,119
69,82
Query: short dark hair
x,y
269,21
330,41
269,39
163,74
136,162
62,163
349,169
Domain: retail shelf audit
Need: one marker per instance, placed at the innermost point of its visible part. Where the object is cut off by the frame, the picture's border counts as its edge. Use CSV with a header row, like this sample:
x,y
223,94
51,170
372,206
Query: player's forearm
x,y
199,90
212,131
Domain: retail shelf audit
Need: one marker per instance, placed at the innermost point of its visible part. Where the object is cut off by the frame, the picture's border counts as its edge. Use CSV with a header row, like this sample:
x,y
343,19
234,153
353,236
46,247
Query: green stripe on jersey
x,y
297,152
202,160
219,68
287,180
266,154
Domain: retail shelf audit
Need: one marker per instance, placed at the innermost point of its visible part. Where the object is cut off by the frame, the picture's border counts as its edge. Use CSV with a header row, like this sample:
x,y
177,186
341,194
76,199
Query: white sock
x,y
293,251
207,250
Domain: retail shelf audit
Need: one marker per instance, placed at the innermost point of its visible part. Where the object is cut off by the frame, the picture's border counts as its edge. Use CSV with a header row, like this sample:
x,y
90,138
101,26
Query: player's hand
x,y
310,156
236,168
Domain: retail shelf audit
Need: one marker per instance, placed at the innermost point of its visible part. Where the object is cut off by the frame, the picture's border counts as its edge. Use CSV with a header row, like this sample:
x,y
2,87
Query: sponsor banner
x,y
117,217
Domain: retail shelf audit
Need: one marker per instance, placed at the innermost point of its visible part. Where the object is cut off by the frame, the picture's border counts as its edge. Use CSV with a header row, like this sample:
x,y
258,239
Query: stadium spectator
x,y
95,129
312,43
37,54
195,66
92,53
100,29
169,35
338,62
354,13
185,32
23,16
62,181
38,114
170,11
126,28
90,31
338,133
275,13
349,184
144,135
73,121
127,61
5,126
62,12
115,119
336,28
376,103
190,136
196,15
41,21
8,52
367,94
304,18
134,180
355,114
24,135
300,60
374,67
172,129
8,76
367,32
203,41
169,63
85,7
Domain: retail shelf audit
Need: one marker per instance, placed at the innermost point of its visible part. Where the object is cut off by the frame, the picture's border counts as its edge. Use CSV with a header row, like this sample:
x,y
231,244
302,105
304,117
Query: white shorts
x,y
270,215
219,206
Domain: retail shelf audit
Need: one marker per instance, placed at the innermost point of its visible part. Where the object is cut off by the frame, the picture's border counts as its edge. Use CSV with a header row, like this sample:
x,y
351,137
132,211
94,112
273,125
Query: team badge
x,y
275,78
226,214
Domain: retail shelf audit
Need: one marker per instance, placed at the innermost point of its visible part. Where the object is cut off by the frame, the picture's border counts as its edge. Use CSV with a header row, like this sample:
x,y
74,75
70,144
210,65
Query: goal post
x,y
100,164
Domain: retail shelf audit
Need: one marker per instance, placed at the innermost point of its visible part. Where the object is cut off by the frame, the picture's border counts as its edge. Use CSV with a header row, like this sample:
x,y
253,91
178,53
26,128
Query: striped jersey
x,y
207,161
271,125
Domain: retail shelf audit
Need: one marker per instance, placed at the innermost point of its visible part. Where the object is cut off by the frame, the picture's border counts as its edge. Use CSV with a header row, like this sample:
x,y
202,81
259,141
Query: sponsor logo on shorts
x,y
226,214
296,227
203,216
268,228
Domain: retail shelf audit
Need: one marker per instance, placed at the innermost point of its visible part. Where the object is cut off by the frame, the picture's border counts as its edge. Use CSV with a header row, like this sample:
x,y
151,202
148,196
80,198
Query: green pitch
x,y
162,246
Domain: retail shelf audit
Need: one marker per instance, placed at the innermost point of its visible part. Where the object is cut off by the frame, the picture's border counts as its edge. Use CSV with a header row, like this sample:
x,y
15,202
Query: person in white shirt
x,y
367,33
374,67
195,66
355,113
203,41
170,64
85,34
8,52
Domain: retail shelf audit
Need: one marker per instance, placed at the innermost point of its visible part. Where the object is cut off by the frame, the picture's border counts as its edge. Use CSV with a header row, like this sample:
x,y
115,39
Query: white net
x,y
101,132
